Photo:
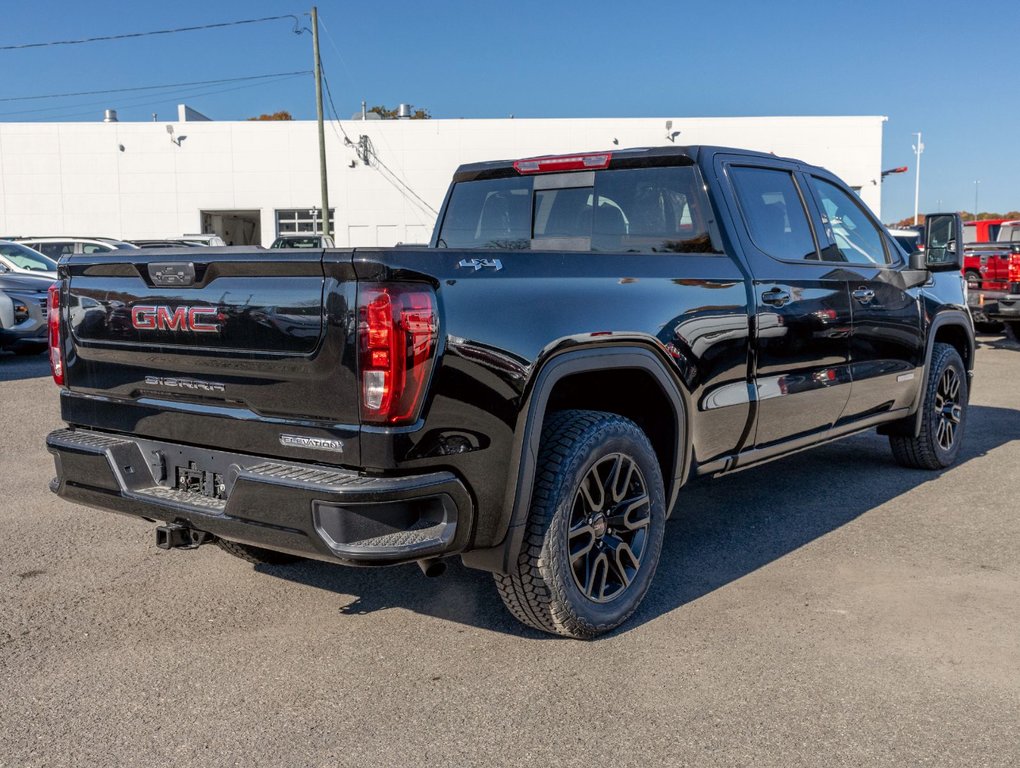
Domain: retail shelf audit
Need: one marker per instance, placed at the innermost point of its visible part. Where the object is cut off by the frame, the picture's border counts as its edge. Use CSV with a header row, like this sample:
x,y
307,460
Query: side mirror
x,y
4,268
941,238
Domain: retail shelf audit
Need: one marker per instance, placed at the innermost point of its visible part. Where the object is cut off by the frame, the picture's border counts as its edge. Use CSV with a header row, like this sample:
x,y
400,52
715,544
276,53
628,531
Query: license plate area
x,y
192,478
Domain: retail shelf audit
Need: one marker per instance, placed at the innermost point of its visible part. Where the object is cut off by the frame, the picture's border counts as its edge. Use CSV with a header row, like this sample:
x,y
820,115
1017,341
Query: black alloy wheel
x,y
949,412
608,532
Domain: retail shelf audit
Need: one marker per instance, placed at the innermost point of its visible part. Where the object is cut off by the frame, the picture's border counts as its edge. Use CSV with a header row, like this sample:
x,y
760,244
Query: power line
x,y
133,102
396,180
157,87
106,38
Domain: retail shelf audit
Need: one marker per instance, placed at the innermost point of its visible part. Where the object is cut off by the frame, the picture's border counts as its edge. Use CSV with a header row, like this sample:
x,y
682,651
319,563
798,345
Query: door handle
x,y
777,297
863,295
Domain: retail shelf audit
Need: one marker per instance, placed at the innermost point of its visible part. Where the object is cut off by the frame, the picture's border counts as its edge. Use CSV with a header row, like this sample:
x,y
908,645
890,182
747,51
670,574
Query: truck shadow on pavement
x,y
720,531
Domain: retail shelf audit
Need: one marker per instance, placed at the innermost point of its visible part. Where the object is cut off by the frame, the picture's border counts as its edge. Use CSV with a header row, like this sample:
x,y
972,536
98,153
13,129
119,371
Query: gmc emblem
x,y
163,318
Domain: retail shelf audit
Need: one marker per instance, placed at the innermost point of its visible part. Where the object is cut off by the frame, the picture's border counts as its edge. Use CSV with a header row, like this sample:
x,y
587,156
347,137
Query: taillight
x,y
397,330
554,164
53,321
1014,268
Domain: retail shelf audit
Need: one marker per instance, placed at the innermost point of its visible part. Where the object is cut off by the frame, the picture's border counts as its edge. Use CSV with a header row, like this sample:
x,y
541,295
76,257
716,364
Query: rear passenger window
x,y
563,218
489,214
652,210
857,239
639,210
773,212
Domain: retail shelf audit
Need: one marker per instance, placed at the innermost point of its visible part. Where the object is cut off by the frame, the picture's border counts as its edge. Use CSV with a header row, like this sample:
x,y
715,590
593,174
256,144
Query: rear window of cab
x,y
640,210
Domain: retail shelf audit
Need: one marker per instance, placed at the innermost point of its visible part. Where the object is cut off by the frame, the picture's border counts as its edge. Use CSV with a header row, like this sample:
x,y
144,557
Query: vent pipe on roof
x,y
110,116
404,112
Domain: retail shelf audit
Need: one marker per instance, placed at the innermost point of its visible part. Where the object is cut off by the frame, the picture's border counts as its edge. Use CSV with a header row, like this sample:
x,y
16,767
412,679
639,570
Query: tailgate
x,y
227,347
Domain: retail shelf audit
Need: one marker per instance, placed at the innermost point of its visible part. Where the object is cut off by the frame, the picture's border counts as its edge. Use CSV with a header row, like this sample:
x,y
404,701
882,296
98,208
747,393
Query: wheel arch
x,y
566,380
953,327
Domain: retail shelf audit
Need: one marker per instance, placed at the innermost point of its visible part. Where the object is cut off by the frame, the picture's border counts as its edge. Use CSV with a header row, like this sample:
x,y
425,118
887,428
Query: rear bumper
x,y
324,513
995,305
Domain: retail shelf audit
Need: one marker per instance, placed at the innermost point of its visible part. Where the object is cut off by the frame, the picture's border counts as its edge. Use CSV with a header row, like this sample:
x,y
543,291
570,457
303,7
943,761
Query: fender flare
x,y
945,318
531,419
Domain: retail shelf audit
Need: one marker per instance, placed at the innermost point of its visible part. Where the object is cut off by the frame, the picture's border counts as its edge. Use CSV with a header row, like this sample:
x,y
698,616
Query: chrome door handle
x,y
777,297
863,295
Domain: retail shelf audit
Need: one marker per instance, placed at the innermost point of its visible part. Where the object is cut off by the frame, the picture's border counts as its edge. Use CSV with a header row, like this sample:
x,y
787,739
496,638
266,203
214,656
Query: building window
x,y
299,220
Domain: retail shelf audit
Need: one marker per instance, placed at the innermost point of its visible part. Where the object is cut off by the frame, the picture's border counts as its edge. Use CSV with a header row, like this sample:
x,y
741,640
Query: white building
x,y
250,181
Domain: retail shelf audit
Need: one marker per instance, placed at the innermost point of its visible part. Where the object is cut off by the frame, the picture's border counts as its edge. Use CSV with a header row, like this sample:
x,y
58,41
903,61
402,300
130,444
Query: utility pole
x,y
918,149
976,183
322,133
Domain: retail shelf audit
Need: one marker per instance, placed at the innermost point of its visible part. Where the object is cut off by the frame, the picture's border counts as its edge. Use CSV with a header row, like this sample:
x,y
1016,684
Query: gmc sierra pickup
x,y
530,392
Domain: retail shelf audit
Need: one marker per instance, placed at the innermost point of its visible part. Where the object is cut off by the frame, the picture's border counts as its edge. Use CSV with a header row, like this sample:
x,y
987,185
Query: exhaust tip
x,y
432,568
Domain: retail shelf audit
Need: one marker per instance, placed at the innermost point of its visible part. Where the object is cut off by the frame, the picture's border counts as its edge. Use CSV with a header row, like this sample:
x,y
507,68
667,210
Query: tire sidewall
x,y
951,359
627,439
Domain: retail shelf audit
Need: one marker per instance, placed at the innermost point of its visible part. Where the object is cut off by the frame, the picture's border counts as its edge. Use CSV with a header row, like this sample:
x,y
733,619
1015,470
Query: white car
x,y
20,259
909,240
55,247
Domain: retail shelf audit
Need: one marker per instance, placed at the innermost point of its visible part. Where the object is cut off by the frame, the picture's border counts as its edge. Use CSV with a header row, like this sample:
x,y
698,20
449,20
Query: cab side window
x,y
857,239
774,212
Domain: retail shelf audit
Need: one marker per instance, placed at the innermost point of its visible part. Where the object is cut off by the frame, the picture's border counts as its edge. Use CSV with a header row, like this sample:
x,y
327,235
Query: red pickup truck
x,y
984,260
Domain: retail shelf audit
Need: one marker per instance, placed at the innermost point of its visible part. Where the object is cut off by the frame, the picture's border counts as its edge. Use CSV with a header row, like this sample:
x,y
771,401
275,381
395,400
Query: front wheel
x,y
595,527
1014,326
973,279
943,418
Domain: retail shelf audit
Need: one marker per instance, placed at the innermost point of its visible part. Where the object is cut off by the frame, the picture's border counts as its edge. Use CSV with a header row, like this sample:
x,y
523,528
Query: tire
x,y
257,555
944,415
973,279
616,538
1014,326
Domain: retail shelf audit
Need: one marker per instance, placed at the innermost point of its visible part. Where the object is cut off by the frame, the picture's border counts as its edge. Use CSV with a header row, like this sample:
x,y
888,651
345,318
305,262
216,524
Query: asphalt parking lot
x,y
828,609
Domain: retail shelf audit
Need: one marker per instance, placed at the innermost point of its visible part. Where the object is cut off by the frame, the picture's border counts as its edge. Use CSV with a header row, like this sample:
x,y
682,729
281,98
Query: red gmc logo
x,y
163,318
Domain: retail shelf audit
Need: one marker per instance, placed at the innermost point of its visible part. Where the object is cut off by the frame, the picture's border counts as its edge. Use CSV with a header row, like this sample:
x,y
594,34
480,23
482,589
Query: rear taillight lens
x,y
397,331
53,321
1014,268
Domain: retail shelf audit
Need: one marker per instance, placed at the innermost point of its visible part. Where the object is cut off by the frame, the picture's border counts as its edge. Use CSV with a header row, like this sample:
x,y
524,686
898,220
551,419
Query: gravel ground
x,y
829,609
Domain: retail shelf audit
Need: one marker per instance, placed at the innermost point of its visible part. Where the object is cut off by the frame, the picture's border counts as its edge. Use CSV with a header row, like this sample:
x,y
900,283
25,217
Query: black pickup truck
x,y
530,392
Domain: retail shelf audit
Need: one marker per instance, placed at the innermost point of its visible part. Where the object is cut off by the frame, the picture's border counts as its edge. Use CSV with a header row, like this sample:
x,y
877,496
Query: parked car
x,y
303,241
55,247
16,257
530,392
909,240
23,312
987,252
202,239
1009,232
166,244
996,299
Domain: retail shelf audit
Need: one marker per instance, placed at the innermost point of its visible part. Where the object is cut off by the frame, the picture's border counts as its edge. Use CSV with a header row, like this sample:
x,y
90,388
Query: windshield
x,y
24,257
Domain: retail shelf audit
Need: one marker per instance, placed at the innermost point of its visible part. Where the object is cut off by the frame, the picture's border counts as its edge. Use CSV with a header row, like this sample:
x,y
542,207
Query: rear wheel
x,y
256,555
595,527
943,418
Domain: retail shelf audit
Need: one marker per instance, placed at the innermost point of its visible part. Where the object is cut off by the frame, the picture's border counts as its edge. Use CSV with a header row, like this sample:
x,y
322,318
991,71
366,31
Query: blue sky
x,y
928,66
